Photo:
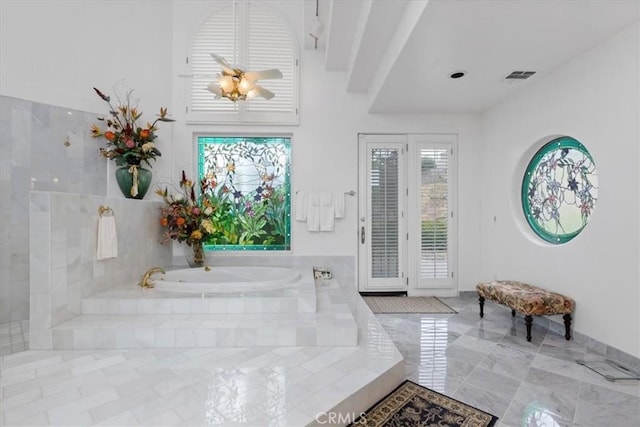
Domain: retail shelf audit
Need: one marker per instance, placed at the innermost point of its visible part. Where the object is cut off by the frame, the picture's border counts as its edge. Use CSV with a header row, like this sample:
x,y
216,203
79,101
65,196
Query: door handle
x,y
362,234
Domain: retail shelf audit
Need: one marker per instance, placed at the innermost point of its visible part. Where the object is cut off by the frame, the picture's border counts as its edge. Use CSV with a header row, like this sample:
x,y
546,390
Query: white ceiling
x,y
401,52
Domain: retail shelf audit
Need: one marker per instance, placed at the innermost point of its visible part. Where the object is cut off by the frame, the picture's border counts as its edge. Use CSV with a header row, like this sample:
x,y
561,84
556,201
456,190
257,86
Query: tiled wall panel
x,y
64,268
44,148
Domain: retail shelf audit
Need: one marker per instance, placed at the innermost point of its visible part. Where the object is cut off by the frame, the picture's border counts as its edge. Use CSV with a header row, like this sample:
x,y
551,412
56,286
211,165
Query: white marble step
x,y
106,331
131,299
109,303
332,325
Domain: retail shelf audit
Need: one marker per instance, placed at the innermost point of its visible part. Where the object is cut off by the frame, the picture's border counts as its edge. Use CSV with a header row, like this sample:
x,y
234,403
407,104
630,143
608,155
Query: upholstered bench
x,y
527,299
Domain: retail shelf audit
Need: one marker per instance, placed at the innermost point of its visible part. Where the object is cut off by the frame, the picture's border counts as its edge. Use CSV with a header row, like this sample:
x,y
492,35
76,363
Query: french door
x,y
407,230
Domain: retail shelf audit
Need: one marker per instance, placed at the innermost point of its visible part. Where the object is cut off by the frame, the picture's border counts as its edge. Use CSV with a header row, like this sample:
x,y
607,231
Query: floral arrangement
x,y
128,143
186,218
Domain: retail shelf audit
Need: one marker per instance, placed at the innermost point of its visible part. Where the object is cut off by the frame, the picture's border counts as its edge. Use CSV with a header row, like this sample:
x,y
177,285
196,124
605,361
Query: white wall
x,y
56,55
54,52
324,145
595,99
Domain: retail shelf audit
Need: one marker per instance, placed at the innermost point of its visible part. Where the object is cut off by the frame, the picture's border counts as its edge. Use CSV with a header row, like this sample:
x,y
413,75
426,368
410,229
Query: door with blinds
x,y
382,226
407,215
432,231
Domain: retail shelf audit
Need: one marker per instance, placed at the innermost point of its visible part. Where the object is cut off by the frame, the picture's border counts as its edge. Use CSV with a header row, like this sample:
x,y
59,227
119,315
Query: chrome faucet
x,y
146,281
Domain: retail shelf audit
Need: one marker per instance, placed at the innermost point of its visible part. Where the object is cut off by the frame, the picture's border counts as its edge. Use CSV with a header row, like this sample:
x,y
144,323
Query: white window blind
x,y
269,46
385,213
250,36
434,209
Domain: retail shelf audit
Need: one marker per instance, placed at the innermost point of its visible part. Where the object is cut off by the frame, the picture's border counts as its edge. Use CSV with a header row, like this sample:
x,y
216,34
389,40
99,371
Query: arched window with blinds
x,y
253,37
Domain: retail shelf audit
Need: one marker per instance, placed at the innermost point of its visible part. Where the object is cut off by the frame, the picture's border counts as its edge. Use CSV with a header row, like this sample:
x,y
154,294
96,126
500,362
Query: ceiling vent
x,y
519,75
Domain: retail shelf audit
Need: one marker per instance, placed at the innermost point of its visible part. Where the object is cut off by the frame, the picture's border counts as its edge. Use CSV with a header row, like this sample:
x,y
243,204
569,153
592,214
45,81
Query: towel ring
x,y
105,210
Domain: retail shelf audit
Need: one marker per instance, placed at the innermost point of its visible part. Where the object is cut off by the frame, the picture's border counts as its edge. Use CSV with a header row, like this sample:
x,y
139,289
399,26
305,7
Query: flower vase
x,y
133,181
196,257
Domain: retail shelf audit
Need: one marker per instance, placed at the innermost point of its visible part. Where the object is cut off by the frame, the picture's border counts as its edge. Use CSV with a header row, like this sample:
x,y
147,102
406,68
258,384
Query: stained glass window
x,y
559,190
251,197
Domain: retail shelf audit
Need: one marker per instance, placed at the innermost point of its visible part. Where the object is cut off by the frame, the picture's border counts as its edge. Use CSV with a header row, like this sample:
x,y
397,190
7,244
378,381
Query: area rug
x,y
429,305
413,405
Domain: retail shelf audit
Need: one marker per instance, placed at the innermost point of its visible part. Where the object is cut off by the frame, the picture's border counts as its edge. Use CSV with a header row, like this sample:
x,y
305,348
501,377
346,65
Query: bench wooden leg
x,y
528,320
481,301
567,326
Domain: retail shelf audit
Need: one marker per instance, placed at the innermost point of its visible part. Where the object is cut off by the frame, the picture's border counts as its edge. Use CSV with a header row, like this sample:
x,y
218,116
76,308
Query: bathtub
x,y
226,279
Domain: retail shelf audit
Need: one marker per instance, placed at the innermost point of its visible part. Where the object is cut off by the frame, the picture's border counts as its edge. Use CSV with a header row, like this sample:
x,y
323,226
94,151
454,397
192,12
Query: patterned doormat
x,y
413,405
429,305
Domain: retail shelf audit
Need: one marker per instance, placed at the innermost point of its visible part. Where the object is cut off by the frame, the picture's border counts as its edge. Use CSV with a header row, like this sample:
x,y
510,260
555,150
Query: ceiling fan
x,y
237,84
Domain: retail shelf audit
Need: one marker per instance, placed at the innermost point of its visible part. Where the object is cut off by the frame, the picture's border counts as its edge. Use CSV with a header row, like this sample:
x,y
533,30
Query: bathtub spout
x,y
146,281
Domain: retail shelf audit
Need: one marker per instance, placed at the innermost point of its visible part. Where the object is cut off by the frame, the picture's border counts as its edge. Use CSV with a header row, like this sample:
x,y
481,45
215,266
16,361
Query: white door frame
x,y
366,283
433,286
410,216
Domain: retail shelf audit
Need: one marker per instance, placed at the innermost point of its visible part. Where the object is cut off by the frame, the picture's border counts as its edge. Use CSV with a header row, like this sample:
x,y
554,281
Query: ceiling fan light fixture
x,y
226,83
228,87
245,85
237,85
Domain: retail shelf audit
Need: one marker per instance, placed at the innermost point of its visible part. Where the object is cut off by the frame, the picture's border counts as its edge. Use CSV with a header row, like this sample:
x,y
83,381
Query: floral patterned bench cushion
x,y
525,298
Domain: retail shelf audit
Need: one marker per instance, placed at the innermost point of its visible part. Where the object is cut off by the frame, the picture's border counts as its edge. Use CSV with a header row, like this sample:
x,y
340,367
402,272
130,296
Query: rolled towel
x,y
301,206
313,212
327,213
107,242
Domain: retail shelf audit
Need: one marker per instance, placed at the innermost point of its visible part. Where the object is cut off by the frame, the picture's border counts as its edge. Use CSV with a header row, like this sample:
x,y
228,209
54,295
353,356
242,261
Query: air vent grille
x,y
519,75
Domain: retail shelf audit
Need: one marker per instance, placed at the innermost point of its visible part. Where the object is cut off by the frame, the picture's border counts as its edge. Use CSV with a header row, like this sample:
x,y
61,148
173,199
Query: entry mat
x,y
389,304
610,369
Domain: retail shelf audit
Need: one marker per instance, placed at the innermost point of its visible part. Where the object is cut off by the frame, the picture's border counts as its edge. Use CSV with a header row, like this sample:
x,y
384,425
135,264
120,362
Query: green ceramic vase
x,y
125,181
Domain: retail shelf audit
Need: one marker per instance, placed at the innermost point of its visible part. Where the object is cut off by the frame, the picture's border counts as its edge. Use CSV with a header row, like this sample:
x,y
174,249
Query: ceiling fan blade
x,y
201,76
223,63
215,89
263,75
260,91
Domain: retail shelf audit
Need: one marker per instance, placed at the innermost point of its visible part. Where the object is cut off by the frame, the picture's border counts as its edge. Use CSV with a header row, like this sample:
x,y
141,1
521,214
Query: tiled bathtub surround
x,y
247,386
63,265
342,267
299,297
307,313
44,148
187,322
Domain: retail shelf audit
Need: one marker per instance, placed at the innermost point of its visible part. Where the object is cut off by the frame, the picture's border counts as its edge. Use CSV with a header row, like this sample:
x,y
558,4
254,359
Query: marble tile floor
x,y
486,363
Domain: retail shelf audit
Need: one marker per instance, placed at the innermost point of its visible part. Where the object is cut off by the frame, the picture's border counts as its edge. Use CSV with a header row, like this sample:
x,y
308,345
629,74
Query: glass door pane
x,y
382,226
385,212
434,213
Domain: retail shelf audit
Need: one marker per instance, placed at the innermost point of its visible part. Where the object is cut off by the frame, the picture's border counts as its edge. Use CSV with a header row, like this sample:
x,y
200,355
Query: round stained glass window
x,y
559,190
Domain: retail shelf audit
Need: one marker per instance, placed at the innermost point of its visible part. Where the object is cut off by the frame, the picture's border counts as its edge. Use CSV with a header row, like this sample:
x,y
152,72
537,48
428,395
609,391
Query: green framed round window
x,y
559,190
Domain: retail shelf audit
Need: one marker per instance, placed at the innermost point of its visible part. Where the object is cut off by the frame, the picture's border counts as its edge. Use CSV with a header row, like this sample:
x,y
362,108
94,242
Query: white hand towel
x,y
338,204
327,213
107,238
301,206
313,212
